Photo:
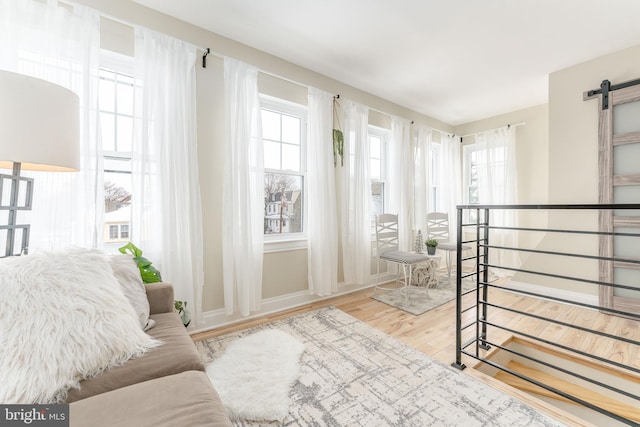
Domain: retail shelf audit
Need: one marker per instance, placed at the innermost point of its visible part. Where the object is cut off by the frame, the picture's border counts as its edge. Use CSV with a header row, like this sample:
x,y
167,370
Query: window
x,y
283,137
124,231
470,180
113,232
434,176
115,103
377,167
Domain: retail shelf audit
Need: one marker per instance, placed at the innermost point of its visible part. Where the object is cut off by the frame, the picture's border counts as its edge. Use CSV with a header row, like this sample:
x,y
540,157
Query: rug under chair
x,y
420,299
352,374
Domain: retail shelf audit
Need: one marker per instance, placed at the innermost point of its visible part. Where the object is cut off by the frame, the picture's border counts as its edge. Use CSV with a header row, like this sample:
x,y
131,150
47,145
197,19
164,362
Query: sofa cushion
x,y
185,399
177,354
127,274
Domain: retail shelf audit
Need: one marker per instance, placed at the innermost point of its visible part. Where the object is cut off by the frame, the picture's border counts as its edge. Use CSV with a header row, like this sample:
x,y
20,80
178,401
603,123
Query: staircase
x,y
543,372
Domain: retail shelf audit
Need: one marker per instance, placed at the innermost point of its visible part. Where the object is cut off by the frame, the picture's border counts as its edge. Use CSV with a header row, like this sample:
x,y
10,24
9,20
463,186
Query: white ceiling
x,y
454,60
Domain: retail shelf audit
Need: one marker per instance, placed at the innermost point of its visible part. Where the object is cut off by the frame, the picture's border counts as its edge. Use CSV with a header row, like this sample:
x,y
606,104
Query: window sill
x,y
285,245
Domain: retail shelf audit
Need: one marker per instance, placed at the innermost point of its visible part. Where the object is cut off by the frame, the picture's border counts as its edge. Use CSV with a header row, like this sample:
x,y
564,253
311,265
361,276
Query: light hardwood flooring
x,y
434,331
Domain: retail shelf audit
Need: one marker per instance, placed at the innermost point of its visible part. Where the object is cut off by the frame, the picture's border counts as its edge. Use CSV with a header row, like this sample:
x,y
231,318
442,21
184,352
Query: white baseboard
x,y
554,292
217,318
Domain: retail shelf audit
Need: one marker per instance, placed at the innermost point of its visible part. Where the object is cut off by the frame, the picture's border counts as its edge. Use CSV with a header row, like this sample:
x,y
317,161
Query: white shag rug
x,y
254,375
63,318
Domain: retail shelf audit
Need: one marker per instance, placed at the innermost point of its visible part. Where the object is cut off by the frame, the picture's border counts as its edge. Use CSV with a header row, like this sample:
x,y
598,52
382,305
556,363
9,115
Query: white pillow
x,y
63,318
127,274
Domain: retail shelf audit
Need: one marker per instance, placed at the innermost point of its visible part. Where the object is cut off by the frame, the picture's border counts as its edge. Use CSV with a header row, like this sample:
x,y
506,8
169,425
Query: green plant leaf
x,y
131,248
150,274
338,147
142,261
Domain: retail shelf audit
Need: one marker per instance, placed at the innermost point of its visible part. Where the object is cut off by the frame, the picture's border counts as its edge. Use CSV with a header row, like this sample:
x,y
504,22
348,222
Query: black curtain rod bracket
x,y
204,58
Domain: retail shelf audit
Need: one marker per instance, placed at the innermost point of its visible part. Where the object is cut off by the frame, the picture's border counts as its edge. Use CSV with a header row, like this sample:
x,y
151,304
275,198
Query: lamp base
x,y
13,207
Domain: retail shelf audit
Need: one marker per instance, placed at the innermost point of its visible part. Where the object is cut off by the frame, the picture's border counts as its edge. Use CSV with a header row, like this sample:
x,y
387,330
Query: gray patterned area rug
x,y
418,301
354,375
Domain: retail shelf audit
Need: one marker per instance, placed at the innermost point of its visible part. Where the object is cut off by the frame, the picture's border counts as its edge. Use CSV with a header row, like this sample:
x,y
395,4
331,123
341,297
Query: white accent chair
x,y
438,229
387,250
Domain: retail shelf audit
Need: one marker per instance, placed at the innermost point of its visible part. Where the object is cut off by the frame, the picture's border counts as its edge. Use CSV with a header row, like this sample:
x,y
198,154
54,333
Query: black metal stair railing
x,y
482,328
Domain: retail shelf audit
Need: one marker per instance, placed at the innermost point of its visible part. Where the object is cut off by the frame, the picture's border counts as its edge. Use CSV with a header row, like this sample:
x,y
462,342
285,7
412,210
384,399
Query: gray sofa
x,y
165,387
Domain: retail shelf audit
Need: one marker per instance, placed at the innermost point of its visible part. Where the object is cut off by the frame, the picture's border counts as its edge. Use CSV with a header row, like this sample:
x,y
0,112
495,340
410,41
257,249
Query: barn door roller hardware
x,y
606,87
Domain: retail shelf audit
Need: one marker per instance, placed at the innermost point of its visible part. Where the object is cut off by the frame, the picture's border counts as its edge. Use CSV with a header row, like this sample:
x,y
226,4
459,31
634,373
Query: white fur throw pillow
x,y
128,276
63,318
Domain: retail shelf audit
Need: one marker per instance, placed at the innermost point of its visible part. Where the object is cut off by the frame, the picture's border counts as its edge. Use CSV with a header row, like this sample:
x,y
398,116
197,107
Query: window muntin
x,y
284,138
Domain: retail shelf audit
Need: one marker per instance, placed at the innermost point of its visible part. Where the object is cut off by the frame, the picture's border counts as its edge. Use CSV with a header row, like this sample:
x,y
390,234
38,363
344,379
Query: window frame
x,y
277,242
467,152
116,63
384,135
435,175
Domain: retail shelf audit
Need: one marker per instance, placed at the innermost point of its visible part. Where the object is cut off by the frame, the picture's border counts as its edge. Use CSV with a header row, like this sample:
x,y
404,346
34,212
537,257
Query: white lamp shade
x,y
39,124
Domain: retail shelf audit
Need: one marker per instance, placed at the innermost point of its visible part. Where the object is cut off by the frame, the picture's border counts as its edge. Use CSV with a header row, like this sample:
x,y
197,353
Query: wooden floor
x,y
433,332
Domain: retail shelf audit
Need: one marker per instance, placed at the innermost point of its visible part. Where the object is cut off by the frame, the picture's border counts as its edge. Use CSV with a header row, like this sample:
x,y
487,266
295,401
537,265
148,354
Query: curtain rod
x,y
207,51
337,96
489,130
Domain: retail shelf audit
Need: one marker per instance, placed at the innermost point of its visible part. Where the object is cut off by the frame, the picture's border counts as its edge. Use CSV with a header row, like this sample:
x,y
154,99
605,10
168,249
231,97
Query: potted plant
x,y
431,246
181,308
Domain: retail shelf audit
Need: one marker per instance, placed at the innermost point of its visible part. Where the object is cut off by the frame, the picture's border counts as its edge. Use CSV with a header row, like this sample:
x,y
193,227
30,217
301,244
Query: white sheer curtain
x,y
422,174
166,211
450,188
322,214
497,185
401,179
243,191
356,195
61,46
